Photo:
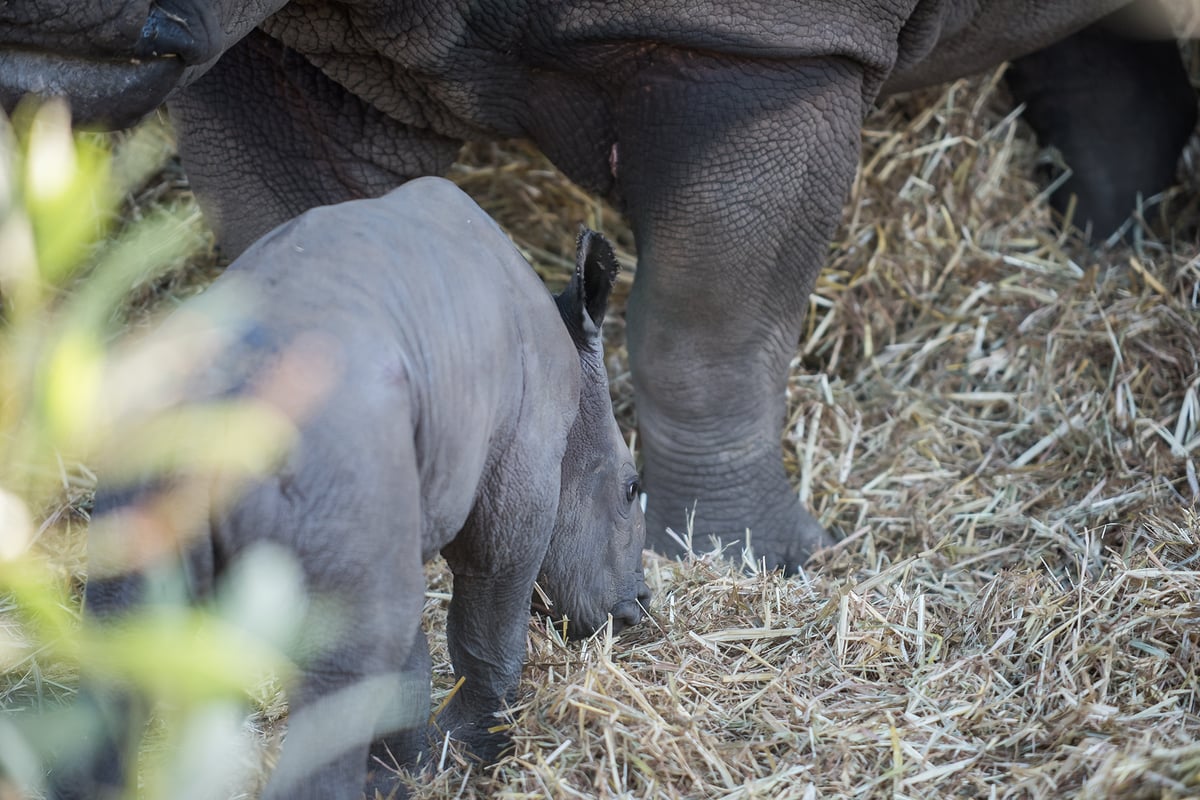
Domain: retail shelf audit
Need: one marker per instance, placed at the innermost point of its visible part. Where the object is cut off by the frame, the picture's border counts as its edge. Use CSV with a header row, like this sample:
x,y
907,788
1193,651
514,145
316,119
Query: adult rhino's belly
x,y
107,92
998,31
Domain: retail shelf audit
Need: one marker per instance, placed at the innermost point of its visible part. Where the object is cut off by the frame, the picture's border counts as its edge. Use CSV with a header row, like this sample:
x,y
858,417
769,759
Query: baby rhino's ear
x,y
585,300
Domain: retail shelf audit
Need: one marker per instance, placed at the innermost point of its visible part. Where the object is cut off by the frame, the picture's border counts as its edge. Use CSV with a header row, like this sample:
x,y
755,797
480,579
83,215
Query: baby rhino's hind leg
x,y
358,541
404,743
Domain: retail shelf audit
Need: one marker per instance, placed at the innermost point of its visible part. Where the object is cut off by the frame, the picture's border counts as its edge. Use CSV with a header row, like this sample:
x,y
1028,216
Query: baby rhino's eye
x,y
632,490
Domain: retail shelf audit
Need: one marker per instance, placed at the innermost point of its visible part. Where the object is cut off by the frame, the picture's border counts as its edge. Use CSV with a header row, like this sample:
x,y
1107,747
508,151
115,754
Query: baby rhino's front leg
x,y
495,561
485,629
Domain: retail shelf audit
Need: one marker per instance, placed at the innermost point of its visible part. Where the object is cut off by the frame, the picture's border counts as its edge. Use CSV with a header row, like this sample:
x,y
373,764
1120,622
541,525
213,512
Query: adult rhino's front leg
x,y
734,175
265,136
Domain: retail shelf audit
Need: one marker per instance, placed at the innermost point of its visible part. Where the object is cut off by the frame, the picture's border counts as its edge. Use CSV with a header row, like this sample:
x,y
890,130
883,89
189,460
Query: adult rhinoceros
x,y
727,129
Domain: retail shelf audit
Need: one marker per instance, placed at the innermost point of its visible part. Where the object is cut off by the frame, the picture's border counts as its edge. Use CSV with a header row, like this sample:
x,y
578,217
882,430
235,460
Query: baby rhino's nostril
x,y
626,614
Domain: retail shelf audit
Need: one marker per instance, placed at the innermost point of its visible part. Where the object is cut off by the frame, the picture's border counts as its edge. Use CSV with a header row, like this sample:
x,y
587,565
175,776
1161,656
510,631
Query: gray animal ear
x,y
585,300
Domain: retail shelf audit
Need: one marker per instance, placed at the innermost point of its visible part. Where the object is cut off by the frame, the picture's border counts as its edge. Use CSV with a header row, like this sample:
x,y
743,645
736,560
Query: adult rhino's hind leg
x,y
1119,109
734,175
264,136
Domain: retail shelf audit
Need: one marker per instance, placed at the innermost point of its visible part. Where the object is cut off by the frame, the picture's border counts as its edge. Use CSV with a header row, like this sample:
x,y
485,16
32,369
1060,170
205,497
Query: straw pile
x,y
1000,426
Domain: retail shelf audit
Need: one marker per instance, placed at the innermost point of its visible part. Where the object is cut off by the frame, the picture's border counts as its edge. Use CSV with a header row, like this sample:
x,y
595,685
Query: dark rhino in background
x,y
462,416
728,130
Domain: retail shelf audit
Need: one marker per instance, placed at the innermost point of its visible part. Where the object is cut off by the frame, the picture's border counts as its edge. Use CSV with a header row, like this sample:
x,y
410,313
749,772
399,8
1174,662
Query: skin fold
x,y
727,131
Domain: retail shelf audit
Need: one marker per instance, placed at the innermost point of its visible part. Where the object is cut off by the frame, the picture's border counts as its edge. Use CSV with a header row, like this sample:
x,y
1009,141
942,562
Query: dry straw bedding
x,y
1000,426
1002,430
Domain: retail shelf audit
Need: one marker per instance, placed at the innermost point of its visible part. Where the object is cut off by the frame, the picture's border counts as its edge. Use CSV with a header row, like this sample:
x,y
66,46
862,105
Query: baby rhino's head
x,y
593,568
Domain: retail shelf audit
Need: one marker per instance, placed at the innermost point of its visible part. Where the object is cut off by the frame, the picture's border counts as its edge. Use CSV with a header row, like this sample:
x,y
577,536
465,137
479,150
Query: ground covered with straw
x,y
998,423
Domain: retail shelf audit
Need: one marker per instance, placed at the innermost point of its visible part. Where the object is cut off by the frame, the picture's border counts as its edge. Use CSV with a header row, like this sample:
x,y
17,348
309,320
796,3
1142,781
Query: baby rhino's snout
x,y
631,612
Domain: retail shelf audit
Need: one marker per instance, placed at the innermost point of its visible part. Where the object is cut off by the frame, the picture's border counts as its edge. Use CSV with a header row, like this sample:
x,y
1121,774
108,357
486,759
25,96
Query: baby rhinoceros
x,y
465,414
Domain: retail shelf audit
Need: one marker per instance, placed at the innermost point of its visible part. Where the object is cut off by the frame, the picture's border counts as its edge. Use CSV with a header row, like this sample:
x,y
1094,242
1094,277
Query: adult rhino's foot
x,y
722,507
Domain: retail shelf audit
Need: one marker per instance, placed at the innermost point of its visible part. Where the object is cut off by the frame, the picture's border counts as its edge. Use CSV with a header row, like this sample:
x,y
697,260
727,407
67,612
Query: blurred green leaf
x,y
16,526
237,439
67,192
182,655
71,385
42,601
137,255
63,282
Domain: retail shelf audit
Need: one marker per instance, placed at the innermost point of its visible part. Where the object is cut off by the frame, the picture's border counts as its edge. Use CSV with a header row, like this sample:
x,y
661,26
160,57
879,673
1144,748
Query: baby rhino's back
x,y
410,315
423,268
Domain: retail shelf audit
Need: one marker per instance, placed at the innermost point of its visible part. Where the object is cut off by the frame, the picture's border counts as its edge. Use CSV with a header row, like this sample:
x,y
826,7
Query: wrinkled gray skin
x,y
728,130
464,418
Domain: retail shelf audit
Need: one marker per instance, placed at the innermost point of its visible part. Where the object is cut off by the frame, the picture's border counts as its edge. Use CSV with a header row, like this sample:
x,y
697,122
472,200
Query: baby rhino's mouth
x,y
109,89
624,614
627,614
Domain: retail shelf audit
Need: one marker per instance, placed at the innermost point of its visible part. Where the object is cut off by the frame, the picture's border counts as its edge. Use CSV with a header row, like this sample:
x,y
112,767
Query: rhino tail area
x,y
149,543
136,560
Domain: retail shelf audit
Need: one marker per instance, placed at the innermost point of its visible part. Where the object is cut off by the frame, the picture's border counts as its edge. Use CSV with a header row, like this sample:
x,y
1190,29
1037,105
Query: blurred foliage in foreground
x,y
73,391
